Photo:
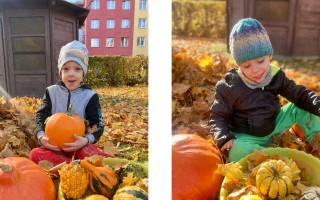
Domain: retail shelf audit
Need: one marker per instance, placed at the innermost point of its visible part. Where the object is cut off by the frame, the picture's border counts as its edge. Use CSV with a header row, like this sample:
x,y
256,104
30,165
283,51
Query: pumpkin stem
x,y
5,168
69,111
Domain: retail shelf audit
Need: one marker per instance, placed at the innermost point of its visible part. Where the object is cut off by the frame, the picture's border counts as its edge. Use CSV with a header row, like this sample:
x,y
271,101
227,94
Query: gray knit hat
x,y
74,51
249,40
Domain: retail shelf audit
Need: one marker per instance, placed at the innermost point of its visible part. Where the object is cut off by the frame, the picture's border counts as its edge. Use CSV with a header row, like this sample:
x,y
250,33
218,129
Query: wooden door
x,y
277,17
307,29
3,85
28,52
64,30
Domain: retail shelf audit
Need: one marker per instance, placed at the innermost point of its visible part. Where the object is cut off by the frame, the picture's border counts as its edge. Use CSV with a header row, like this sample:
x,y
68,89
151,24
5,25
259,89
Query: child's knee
x,y
241,149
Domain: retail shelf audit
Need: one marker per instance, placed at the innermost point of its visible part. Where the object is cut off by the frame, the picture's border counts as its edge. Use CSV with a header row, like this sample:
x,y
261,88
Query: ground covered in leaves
x,y
125,113
197,66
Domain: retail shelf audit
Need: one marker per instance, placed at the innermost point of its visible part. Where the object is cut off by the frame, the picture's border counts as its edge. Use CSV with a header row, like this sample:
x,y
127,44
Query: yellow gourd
x,y
250,197
96,197
74,180
274,179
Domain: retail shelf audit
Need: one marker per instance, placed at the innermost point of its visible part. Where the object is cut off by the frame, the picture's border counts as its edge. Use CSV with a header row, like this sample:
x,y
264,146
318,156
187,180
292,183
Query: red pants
x,y
57,157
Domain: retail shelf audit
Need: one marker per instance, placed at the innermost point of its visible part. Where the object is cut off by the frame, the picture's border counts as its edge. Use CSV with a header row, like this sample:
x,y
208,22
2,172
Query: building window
x,y
95,5
142,23
143,5
111,5
125,4
110,42
94,42
81,35
110,23
94,24
141,42
124,42
125,23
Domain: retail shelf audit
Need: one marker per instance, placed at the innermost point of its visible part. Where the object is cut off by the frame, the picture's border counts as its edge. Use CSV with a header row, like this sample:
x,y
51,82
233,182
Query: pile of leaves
x,y
125,113
17,125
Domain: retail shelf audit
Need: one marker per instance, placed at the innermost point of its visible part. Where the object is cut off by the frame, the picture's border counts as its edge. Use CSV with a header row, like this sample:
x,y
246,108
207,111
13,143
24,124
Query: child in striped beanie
x,y
246,112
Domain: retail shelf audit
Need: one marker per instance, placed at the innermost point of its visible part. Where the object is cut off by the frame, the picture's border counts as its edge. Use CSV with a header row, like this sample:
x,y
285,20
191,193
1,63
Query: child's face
x,y
256,69
72,75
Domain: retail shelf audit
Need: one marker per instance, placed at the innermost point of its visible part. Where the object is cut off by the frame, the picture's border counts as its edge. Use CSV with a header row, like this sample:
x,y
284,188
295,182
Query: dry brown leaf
x,y
129,180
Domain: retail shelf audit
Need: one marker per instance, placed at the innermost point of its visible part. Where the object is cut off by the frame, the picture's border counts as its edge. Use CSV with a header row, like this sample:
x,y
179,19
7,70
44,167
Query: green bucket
x,y
309,165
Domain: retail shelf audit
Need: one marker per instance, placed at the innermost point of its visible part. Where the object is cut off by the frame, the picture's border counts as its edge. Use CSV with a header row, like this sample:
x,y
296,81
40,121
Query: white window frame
x,y
142,25
81,35
94,42
125,23
110,23
124,42
111,4
94,24
143,5
141,41
95,5
110,42
125,4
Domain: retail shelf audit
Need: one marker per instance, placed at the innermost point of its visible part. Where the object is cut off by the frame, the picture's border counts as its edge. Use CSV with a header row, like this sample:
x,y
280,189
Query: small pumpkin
x,y
298,130
274,179
74,180
311,193
96,197
102,180
130,193
61,127
20,178
194,162
250,197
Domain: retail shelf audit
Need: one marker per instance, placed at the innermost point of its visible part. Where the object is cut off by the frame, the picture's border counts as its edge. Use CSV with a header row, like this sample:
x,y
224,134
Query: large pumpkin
x,y
194,162
20,178
61,127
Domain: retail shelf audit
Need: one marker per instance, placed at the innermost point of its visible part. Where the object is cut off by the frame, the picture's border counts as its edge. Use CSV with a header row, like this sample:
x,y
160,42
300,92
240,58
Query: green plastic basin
x,y
309,165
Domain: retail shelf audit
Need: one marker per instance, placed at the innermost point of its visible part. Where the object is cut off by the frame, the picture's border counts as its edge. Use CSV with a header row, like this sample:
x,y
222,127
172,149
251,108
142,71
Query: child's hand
x,y
78,144
46,143
227,145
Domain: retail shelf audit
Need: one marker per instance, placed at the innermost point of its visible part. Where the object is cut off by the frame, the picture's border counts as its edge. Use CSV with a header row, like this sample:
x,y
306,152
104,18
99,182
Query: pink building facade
x,y
109,27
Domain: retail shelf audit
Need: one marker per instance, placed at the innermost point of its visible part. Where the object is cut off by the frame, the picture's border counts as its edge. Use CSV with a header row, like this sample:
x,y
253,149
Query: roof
x,y
80,12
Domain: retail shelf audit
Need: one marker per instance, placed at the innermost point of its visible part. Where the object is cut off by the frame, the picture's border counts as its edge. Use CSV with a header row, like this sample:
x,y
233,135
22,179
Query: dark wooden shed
x,y
293,25
31,35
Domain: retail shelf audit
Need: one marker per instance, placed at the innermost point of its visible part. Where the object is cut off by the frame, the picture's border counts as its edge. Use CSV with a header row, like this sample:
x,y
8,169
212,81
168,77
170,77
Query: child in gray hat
x,y
73,66
246,112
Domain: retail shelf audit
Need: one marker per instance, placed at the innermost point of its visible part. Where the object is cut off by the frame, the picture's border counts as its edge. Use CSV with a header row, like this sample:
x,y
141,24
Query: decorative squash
x,y
274,178
20,178
194,162
74,180
137,170
102,180
96,197
130,193
61,127
250,197
311,193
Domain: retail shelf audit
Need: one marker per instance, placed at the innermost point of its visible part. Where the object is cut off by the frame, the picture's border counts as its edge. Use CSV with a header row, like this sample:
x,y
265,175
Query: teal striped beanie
x,y
249,40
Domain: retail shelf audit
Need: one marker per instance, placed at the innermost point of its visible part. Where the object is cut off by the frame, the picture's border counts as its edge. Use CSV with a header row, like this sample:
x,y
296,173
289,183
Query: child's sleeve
x,y
95,120
220,113
42,114
300,95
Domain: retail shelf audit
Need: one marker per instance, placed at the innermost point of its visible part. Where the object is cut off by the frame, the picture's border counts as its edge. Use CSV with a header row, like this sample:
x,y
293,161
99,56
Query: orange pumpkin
x,y
194,162
20,178
61,127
